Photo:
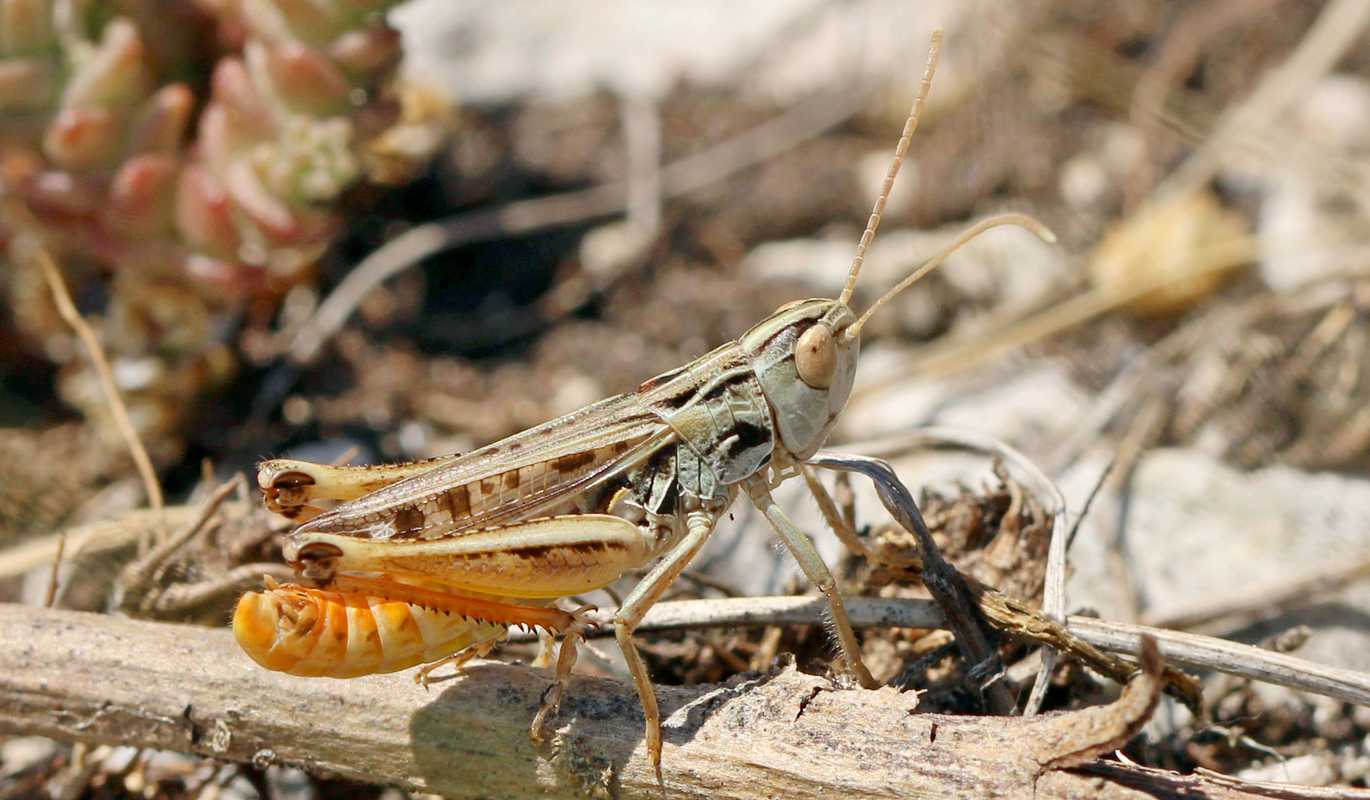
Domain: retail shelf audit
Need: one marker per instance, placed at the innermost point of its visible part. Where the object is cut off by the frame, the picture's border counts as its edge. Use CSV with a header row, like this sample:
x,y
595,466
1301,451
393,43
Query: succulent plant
x,y
185,218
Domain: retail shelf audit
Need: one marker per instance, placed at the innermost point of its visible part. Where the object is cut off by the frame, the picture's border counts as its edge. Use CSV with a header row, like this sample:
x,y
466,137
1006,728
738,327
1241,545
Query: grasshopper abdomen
x,y
325,633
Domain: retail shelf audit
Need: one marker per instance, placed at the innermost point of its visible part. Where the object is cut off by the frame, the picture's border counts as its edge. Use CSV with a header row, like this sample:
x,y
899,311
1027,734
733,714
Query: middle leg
x,y
817,572
839,526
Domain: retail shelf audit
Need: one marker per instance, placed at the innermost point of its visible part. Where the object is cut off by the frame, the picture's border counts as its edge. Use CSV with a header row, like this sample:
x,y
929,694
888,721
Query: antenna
x,y
1020,220
900,150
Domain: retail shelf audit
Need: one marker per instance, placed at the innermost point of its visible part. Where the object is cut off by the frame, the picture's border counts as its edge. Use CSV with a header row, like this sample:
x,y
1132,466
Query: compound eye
x,y
815,356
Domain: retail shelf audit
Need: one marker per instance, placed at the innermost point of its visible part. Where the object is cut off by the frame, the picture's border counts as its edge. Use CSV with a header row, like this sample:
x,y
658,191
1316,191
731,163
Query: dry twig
x,y
51,595
118,410
1336,30
103,536
138,581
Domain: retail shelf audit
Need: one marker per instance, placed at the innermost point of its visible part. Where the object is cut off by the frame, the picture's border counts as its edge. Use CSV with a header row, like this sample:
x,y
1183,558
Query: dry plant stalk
x,y
111,391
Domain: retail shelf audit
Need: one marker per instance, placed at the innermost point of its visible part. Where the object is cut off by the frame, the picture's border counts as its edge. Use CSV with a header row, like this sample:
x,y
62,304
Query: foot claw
x,y
548,707
654,750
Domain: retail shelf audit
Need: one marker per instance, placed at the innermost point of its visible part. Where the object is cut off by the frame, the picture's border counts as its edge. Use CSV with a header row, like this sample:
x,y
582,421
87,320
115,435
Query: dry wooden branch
x,y
99,679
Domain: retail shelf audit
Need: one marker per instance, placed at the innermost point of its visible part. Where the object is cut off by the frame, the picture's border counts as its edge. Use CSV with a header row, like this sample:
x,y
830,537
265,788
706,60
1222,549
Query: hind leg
x,y
566,660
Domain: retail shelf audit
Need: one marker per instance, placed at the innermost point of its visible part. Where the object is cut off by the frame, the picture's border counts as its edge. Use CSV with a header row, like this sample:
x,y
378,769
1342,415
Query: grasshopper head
x,y
806,362
805,353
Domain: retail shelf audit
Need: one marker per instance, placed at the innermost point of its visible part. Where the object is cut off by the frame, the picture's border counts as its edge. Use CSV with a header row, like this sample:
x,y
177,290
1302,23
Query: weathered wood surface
x,y
103,679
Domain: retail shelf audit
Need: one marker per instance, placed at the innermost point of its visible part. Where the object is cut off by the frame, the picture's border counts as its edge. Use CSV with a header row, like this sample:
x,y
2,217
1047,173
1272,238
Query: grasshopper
x,y
432,562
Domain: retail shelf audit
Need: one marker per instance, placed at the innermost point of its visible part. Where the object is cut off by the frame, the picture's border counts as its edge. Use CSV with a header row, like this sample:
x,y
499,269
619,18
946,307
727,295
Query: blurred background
x,y
373,231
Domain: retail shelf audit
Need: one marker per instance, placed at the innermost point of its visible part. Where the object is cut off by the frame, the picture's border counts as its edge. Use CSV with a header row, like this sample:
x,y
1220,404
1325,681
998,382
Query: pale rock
x,y
781,51
1196,528
1314,769
1337,113
1330,718
25,752
871,170
290,783
1084,182
574,391
1316,202
819,264
1025,405
607,249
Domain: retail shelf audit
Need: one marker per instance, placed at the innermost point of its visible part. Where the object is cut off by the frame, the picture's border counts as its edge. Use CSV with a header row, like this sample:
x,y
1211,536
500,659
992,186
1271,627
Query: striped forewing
x,y
513,479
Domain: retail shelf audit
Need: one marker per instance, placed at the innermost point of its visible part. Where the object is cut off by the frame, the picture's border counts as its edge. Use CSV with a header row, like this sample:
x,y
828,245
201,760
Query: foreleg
x,y
699,524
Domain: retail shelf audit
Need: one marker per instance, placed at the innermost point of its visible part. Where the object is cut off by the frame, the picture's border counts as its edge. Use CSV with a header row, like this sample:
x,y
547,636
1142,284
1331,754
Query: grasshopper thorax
x,y
805,360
